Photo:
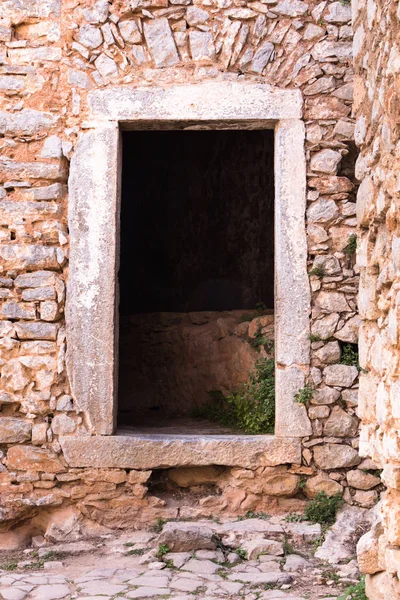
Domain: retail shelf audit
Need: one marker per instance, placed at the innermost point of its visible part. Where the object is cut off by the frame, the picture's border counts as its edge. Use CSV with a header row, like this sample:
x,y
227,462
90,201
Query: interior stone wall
x,y
376,105
52,53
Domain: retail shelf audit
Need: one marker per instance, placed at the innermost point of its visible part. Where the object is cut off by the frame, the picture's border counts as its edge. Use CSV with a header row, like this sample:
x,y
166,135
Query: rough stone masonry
x,y
52,54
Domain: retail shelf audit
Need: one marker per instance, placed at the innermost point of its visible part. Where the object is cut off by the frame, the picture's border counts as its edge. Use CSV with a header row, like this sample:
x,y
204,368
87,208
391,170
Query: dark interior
x,y
197,233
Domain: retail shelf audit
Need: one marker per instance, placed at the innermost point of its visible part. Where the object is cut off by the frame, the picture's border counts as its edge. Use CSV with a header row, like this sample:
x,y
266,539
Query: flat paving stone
x,y
102,587
148,592
50,592
13,594
186,585
200,566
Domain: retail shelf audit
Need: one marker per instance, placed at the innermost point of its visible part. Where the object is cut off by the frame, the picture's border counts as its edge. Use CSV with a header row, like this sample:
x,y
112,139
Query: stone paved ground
x,y
186,561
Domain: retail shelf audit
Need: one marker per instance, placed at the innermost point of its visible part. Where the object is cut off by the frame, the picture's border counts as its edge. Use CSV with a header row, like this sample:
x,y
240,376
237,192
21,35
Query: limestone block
x,y
361,480
79,79
52,147
329,353
322,211
255,547
29,458
55,191
14,376
340,375
338,13
277,481
340,539
17,310
325,327
290,8
367,499
129,31
36,331
32,211
335,456
340,424
89,36
106,66
365,201
28,256
161,43
185,537
349,331
196,15
97,13
332,302
261,58
322,483
326,108
34,55
13,430
11,169
201,45
325,161
62,425
39,433
291,417
141,452
318,412
367,552
350,397
368,387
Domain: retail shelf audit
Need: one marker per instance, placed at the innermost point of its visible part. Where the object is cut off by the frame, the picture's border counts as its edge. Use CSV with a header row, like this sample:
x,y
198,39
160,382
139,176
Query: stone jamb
x,y
91,311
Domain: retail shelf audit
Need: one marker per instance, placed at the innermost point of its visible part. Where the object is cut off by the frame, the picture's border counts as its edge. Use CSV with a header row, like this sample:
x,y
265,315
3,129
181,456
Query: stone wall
x,y
52,53
376,102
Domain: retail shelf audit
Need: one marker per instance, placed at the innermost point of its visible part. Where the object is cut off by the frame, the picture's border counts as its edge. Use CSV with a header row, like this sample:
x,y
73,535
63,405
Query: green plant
x,y
242,553
349,356
169,564
355,592
135,552
294,518
163,549
159,525
257,515
345,2
303,483
245,318
304,395
250,409
323,508
351,246
287,547
314,338
261,340
10,566
318,271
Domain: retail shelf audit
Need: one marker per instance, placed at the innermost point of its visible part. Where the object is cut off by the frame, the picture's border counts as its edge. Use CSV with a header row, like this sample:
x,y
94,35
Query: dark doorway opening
x,y
196,258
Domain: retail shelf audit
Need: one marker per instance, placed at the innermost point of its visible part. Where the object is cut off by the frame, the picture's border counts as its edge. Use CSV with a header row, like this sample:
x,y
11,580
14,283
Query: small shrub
x,y
169,564
317,271
287,547
251,409
159,525
304,395
242,553
349,356
351,246
245,318
355,592
135,552
294,518
257,515
322,509
260,340
10,566
163,549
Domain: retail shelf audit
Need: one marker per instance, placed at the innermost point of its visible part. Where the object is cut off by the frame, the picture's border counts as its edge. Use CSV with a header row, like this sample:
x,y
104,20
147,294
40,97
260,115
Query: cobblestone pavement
x,y
141,565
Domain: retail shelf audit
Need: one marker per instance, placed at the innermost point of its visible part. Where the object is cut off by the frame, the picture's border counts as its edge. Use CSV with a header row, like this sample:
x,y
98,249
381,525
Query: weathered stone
x,y
290,8
332,302
349,331
318,412
368,551
187,477
255,547
338,13
26,122
29,458
34,211
325,328
331,185
340,424
34,55
141,452
367,499
335,456
341,539
185,537
106,66
13,430
11,169
62,425
129,31
196,15
201,45
361,480
36,331
277,481
325,161
340,375
326,108
97,13
329,353
161,42
89,36
28,256
322,483
52,147
262,57
322,211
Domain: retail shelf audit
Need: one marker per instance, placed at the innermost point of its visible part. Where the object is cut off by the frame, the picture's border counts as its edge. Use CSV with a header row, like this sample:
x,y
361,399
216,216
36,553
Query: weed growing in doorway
x,y
250,409
318,271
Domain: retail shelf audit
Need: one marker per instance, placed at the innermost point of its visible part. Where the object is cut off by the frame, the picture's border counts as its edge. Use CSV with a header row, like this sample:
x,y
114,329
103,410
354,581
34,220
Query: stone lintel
x,y
218,101
164,451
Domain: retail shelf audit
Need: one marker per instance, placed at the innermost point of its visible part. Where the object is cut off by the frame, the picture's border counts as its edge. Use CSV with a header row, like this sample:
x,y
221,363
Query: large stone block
x,y
291,417
152,452
26,122
12,169
161,43
28,256
335,456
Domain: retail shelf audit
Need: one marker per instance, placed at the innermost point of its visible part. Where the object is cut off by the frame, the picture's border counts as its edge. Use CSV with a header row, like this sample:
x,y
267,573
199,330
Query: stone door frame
x,y
94,207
